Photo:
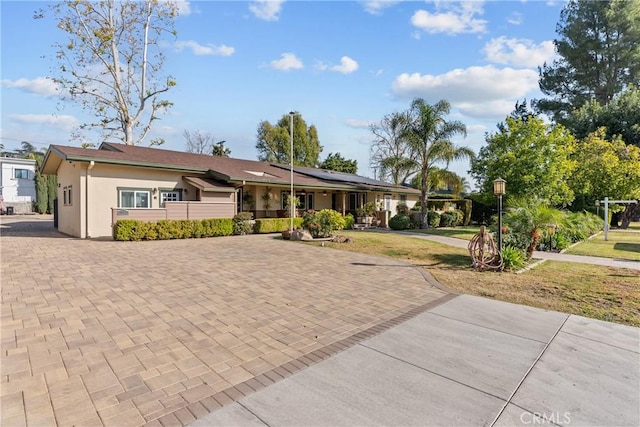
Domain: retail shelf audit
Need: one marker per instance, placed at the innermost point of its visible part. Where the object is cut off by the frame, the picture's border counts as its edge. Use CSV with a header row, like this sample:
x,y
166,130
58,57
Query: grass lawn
x,y
465,233
621,245
604,293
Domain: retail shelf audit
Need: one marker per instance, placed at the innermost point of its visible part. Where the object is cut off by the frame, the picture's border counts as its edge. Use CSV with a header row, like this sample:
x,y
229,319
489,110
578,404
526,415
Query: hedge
x,y
275,225
133,229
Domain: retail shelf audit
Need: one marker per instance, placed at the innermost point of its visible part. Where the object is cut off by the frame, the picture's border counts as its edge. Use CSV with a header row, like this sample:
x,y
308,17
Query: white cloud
x,y
451,18
288,61
347,66
358,124
519,52
375,7
209,49
184,7
64,122
485,92
267,10
41,86
515,18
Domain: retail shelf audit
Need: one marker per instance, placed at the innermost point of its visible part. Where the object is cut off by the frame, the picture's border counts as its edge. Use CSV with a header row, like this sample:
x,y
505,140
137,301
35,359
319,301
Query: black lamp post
x,y
551,230
499,189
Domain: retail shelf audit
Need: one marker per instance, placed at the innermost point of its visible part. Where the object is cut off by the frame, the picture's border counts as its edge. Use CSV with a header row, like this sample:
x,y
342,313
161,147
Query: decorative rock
x,y
341,239
301,235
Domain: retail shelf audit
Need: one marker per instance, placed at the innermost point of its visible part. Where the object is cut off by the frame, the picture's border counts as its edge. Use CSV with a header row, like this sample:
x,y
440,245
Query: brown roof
x,y
208,184
224,169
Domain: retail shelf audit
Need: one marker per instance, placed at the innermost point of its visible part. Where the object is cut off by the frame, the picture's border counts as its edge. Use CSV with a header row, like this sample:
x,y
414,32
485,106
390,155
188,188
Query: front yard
x,y
604,293
621,245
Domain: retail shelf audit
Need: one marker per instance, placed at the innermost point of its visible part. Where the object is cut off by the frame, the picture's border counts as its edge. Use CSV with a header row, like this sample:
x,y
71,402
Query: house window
x,y
403,198
67,193
306,200
357,200
21,173
134,199
170,196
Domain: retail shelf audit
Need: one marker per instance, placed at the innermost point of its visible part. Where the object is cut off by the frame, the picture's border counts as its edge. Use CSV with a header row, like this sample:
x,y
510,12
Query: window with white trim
x,y
134,199
170,196
68,195
21,173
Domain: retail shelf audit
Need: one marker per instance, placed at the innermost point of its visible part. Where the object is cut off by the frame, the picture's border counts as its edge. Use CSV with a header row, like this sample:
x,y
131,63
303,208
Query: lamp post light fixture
x,y
499,189
551,230
291,203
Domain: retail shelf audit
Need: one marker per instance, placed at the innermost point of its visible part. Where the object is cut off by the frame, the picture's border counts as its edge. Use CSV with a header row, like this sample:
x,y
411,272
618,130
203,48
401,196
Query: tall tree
x,y
599,49
112,62
390,154
607,168
429,136
41,181
443,179
274,142
532,156
620,117
336,162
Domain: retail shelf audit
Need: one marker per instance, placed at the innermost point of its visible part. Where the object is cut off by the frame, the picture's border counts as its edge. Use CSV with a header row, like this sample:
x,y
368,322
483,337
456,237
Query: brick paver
x,y
130,333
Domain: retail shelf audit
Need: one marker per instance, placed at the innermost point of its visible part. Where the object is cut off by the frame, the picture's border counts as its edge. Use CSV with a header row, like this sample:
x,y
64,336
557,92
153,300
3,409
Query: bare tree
x,y
112,63
390,153
199,142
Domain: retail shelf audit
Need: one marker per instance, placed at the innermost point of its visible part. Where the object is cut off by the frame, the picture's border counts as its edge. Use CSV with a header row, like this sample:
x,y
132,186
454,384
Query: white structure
x,y
17,184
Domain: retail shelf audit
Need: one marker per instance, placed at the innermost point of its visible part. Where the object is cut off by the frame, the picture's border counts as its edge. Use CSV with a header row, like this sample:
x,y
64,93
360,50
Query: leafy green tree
x,y
52,192
274,142
220,150
607,168
42,190
620,117
429,134
598,48
336,162
533,157
112,62
443,179
390,153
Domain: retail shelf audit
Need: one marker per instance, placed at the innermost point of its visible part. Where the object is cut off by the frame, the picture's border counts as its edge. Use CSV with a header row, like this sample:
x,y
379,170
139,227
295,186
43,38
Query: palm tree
x,y
428,134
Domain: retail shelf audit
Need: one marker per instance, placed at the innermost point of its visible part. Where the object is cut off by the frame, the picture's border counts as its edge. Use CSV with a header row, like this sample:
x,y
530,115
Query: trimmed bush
x,y
275,225
243,223
448,219
133,229
400,222
433,219
349,220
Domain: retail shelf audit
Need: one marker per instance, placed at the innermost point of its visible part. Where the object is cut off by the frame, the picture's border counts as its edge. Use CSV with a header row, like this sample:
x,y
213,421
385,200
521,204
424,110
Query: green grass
x,y
465,233
611,294
621,245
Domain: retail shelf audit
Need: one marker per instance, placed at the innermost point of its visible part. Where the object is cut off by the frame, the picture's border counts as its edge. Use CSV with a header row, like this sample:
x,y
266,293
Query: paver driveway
x,y
129,333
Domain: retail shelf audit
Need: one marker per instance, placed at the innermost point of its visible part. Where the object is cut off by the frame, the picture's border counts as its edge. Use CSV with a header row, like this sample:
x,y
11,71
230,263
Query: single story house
x,y
17,184
96,187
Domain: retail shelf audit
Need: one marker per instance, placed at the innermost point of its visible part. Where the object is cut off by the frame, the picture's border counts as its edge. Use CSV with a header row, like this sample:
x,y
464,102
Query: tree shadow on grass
x,y
453,261
629,247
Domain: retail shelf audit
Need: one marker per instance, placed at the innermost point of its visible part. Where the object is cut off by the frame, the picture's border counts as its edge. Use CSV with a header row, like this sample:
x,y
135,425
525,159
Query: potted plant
x,y
296,203
368,211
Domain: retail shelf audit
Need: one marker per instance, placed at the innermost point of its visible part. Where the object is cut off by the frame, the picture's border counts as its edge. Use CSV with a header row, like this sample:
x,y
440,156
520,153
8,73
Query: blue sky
x,y
341,64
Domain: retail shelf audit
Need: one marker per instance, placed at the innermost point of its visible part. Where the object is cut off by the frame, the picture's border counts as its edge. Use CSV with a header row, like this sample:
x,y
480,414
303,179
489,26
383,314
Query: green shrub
x,y
349,220
448,219
329,221
459,216
275,225
243,223
513,258
402,209
433,219
400,222
132,229
123,229
561,241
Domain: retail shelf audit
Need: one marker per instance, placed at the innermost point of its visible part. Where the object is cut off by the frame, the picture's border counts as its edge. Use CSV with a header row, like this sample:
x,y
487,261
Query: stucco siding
x,y
69,214
105,181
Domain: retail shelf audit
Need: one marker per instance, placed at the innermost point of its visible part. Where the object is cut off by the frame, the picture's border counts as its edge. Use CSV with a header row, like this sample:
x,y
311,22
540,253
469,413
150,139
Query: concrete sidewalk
x,y
469,361
551,256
